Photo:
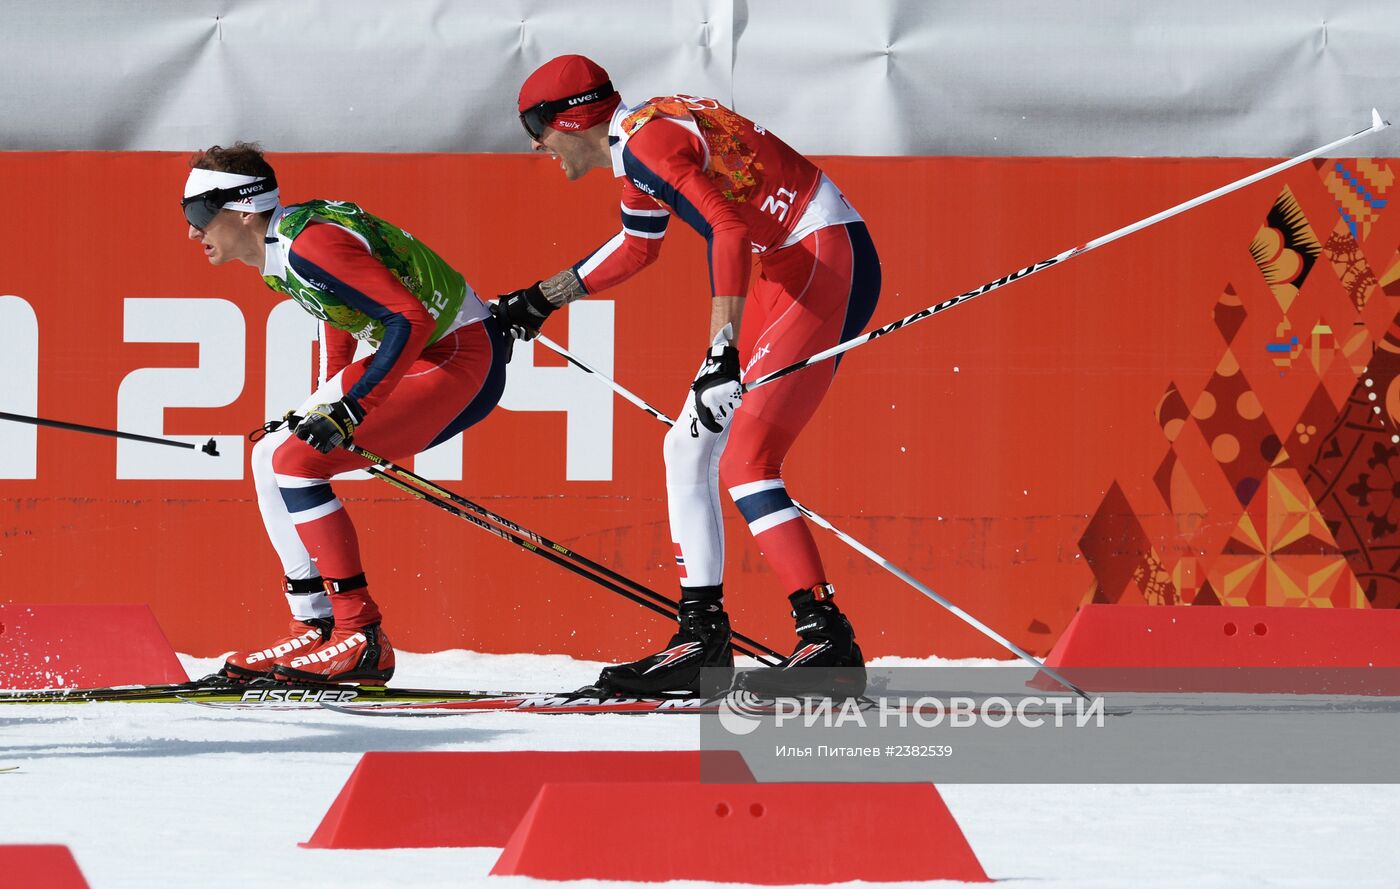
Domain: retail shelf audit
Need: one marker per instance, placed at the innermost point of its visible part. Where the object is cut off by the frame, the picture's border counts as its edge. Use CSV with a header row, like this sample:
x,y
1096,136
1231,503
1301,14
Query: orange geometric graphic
x,y
1285,249
1358,188
1283,553
1307,445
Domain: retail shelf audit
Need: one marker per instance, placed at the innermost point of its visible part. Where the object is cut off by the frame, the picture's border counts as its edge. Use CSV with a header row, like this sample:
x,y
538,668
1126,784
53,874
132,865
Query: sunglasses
x,y
535,118
200,209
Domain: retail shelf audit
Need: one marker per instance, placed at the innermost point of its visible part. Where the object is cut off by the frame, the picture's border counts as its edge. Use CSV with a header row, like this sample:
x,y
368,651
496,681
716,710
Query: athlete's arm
x,y
670,160
644,221
337,351
726,310
333,257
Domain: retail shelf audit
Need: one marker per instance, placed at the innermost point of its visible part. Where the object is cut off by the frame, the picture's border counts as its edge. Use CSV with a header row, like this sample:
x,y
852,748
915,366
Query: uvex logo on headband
x,y
586,97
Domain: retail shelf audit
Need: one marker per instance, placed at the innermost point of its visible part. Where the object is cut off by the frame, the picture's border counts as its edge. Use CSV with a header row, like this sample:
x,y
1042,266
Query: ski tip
x,y
1378,122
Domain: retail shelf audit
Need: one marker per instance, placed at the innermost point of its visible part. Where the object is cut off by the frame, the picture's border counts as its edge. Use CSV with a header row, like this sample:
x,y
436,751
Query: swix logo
x,y
291,645
566,124
300,695
757,356
329,652
643,186
671,655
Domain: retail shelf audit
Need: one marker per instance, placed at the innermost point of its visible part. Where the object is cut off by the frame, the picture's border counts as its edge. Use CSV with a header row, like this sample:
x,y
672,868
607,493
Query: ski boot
x,y
696,660
302,636
827,661
348,654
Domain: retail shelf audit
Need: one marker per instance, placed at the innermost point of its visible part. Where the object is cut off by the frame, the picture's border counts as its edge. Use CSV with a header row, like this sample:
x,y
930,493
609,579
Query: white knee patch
x,y
692,499
692,453
262,456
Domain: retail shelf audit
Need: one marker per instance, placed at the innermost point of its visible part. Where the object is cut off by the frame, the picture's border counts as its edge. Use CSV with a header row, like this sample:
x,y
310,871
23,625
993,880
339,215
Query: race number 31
x,y
779,208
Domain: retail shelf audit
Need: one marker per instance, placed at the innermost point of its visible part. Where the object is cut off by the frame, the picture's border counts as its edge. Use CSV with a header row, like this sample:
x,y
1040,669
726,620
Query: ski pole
x,y
425,490
207,448
1377,124
844,537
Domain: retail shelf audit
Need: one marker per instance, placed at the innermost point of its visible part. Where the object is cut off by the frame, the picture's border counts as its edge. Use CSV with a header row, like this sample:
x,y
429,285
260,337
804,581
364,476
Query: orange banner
x,y
1203,412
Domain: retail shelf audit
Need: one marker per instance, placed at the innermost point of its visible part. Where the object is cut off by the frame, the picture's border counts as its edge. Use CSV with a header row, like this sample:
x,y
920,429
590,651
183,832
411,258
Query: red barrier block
x,y
742,833
77,646
40,867
1226,648
1216,636
416,800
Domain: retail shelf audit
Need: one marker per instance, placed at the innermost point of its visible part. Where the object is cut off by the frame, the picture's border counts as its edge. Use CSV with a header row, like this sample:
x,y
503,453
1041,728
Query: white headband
x,y
201,181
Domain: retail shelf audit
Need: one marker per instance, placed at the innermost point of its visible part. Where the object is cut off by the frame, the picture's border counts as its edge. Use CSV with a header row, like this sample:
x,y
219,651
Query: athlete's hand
x,y
717,389
327,426
522,312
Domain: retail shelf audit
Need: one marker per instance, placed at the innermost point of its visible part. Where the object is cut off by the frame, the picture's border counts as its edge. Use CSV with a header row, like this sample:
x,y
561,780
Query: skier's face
x,y
225,237
571,150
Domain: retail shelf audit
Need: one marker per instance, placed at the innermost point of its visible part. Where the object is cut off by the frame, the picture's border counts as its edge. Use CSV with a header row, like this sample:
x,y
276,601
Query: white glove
x,y
717,389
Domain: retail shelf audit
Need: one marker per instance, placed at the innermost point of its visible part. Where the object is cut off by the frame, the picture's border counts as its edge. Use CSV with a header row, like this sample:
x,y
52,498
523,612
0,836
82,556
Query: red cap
x,y
566,76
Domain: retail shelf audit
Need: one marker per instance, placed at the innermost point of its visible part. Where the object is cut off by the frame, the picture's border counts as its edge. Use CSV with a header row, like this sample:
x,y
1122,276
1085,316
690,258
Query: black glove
x,y
717,389
522,312
327,426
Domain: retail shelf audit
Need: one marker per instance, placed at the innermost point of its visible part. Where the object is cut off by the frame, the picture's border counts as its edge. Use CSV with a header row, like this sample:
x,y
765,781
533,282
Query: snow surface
x,y
184,796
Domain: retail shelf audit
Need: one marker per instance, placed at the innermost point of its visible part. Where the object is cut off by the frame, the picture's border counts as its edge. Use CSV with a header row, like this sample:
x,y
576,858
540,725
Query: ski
x,y
559,703
545,704
576,703
106,693
467,702
583,703
742,705
378,700
255,692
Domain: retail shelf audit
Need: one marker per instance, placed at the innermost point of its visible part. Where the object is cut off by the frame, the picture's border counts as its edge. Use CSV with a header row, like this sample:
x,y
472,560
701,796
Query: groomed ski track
x,y
224,797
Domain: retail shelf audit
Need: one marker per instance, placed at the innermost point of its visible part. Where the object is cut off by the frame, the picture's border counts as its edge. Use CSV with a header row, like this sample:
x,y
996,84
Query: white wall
x,y
863,77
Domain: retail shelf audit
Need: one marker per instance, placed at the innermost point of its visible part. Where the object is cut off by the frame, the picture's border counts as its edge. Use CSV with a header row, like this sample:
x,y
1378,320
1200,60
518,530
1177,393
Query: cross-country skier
x,y
438,367
818,279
